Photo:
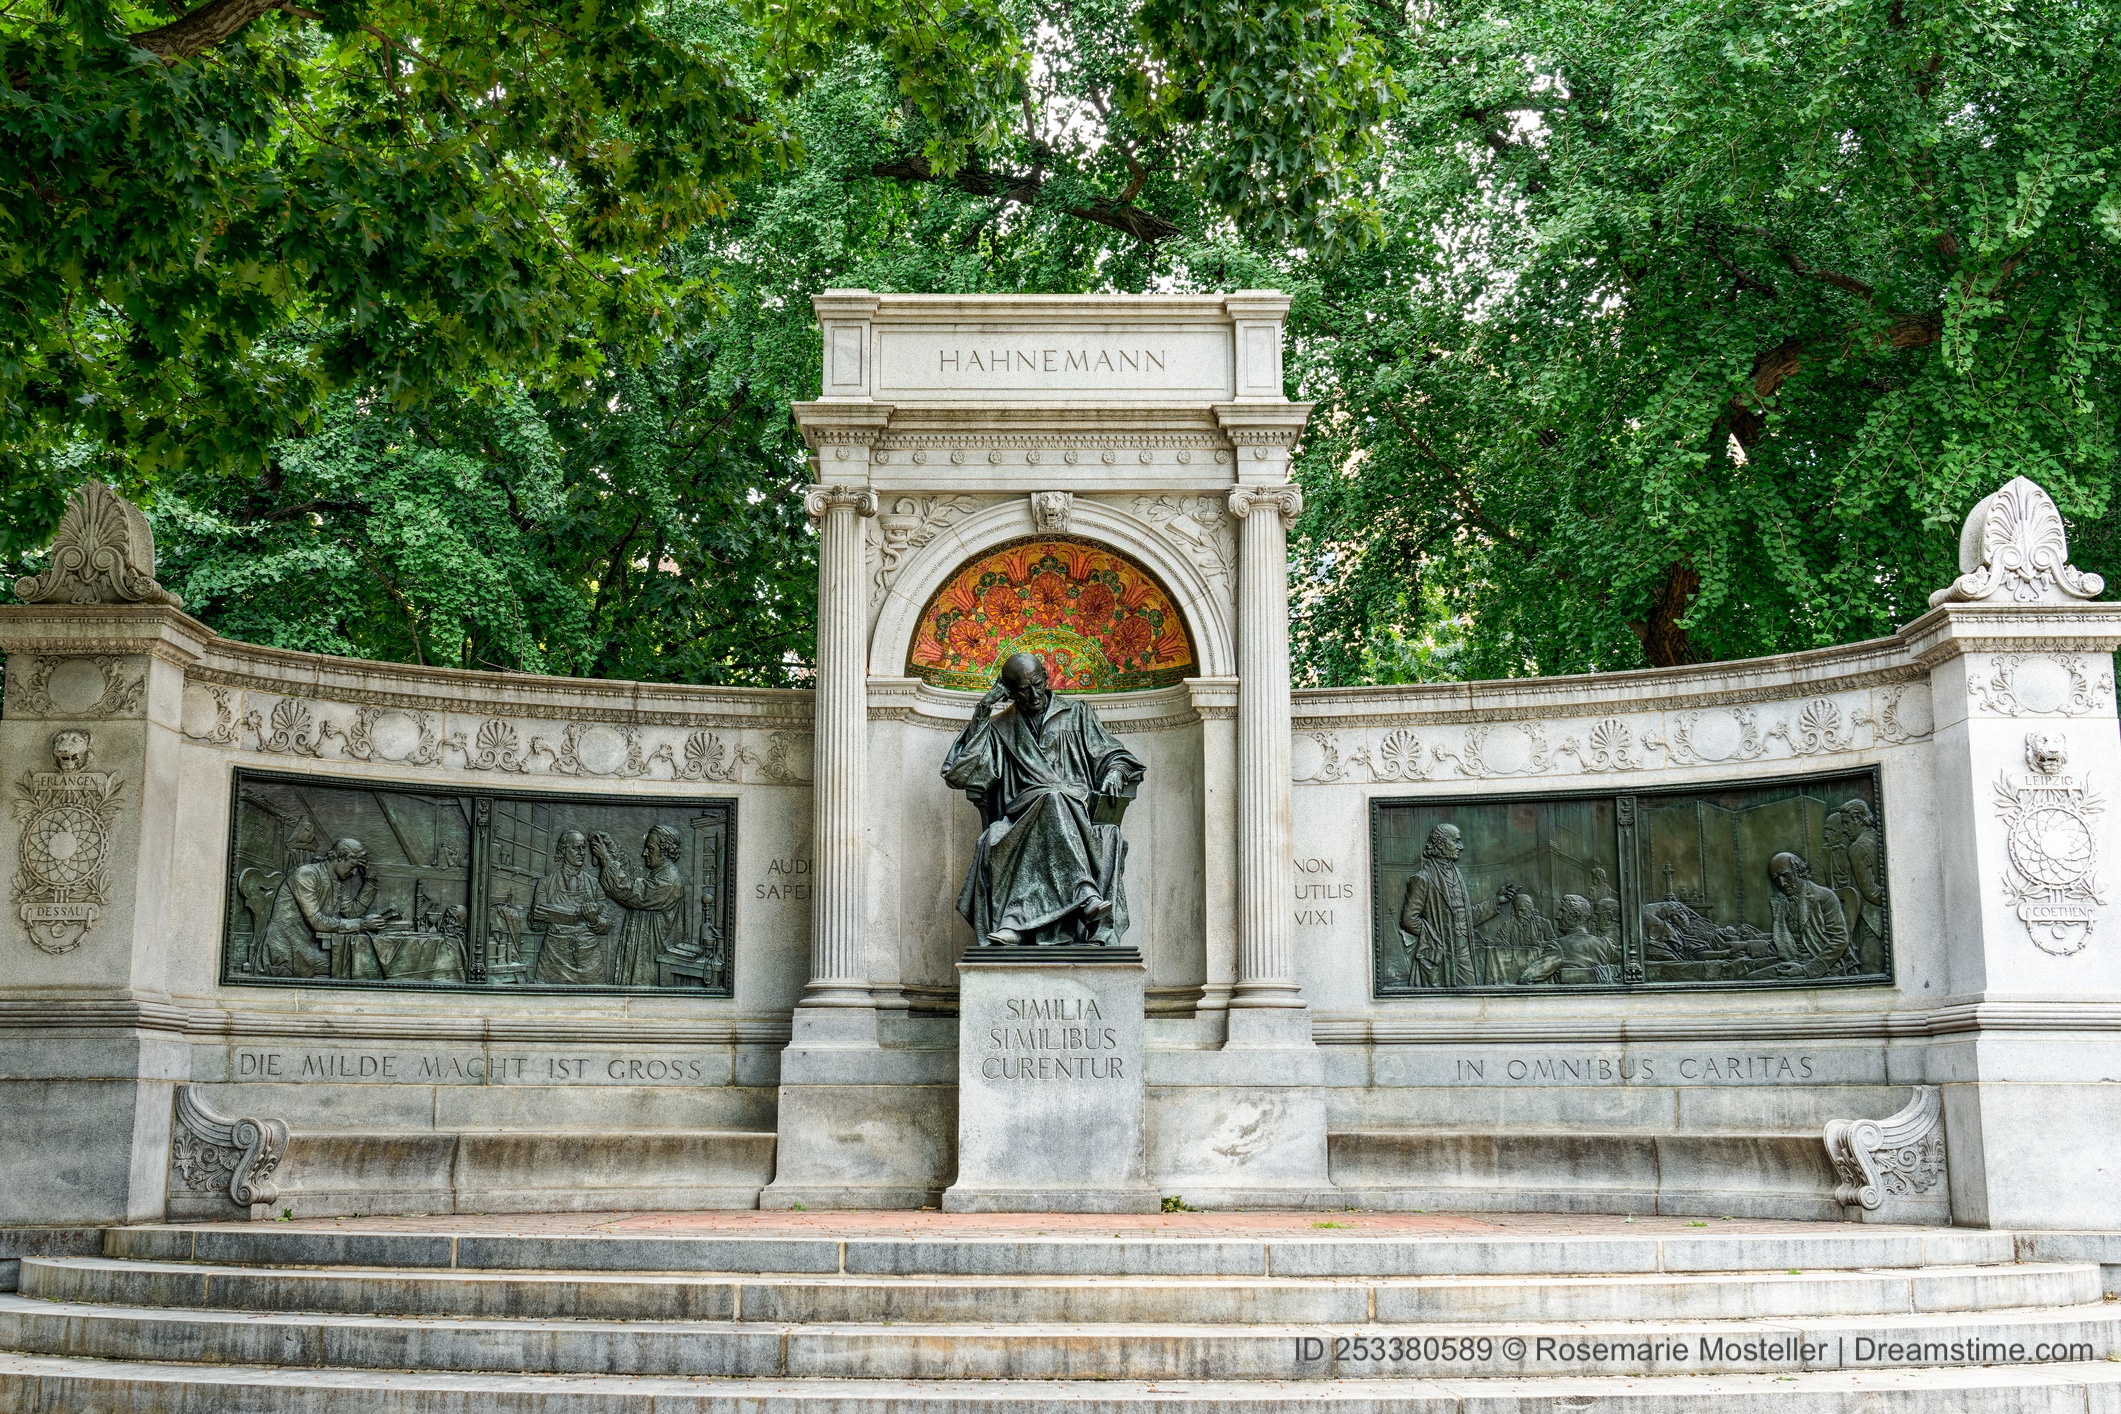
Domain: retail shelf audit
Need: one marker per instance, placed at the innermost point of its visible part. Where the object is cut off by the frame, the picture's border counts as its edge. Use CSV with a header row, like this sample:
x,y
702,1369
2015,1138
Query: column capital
x,y
817,500
1287,501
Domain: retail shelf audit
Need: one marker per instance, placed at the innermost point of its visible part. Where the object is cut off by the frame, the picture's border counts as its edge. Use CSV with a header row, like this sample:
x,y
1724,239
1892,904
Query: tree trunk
x,y
1664,642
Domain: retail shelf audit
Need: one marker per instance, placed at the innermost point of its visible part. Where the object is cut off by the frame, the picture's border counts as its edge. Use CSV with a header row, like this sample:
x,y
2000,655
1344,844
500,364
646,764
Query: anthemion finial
x,y
103,554
2015,548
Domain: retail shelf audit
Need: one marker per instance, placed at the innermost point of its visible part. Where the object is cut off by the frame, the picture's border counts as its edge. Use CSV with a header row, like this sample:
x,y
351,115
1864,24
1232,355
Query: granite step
x,y
793,1299
1848,1248
45,1385
1123,1351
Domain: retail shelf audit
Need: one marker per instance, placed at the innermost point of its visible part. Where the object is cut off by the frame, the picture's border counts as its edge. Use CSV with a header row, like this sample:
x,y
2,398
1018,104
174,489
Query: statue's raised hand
x,y
996,696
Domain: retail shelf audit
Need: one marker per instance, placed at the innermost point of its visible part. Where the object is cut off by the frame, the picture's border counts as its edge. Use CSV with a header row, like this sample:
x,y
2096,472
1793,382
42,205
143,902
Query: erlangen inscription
x,y
1317,890
1075,360
786,880
475,1068
1052,1038
1769,1069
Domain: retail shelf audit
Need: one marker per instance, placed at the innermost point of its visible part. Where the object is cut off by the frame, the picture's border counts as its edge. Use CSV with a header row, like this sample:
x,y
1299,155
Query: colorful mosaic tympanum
x,y
1099,621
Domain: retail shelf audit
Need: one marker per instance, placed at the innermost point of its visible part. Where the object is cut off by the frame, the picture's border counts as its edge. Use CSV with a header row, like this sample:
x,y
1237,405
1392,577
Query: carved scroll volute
x,y
103,554
2014,547
212,1153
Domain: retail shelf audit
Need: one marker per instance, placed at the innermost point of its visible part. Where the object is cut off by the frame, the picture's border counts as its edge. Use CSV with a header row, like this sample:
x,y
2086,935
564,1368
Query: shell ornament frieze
x,y
1713,736
92,685
429,740
2041,684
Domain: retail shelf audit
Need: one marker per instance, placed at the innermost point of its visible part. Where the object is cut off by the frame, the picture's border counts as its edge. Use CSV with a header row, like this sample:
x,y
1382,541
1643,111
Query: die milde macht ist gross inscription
x,y
351,884
1774,884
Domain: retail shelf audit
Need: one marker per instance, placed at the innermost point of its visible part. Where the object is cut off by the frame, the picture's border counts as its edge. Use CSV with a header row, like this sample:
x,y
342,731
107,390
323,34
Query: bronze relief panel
x,y
1761,884
343,883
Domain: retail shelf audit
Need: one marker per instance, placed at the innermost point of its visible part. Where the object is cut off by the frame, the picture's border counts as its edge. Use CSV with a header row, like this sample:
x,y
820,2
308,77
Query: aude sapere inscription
x,y
1063,1039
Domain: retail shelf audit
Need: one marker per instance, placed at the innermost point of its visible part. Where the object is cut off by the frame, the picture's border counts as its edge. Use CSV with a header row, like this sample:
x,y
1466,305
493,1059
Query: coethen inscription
x,y
1079,360
1052,1038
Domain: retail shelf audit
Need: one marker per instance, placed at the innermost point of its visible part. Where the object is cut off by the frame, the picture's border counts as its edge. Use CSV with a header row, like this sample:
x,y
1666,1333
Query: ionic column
x,y
840,902
1266,970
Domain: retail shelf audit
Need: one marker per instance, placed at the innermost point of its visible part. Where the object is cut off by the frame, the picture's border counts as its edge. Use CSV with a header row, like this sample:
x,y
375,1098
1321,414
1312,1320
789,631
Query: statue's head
x,y
574,849
1787,871
2046,752
70,751
346,856
1444,843
1024,677
1572,913
1525,906
1858,814
661,844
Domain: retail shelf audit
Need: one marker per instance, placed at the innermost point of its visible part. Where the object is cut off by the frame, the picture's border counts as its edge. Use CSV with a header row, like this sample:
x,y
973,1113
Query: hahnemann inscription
x,y
1082,360
1052,1038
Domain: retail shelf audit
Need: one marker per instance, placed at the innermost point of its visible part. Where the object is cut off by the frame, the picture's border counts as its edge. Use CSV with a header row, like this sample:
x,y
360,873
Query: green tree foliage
x,y
1698,327
1638,333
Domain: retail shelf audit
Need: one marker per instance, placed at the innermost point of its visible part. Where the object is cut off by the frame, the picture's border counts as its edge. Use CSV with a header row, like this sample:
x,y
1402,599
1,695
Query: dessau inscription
x,y
1052,1038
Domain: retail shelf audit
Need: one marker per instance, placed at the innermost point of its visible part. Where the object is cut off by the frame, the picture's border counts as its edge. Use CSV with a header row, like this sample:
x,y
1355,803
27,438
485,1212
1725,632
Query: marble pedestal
x,y
1050,1087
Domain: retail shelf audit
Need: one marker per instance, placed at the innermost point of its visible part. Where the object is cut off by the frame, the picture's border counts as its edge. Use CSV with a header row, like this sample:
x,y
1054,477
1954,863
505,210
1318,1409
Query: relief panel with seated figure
x,y
1763,884
350,884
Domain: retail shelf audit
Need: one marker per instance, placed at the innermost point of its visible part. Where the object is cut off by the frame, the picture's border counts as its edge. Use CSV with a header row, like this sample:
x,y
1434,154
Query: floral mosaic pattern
x,y
1100,622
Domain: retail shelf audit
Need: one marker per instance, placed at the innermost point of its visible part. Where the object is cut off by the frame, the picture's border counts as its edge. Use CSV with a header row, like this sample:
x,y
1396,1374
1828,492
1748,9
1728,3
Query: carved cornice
x,y
1263,424
792,713
1826,1028
528,1026
818,500
69,630
842,424
1288,501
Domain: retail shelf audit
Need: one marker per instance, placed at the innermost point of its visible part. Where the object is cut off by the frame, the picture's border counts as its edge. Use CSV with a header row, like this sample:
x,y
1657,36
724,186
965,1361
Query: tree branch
x,y
209,26
1023,188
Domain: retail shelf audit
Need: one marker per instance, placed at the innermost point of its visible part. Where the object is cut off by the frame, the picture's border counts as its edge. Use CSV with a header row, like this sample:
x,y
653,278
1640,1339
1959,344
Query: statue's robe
x,y
655,905
1042,853
316,927
1811,932
574,952
1436,922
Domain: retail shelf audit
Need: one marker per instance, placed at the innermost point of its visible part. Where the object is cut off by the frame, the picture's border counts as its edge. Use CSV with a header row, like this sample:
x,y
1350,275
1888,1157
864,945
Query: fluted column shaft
x,y
1266,964
840,900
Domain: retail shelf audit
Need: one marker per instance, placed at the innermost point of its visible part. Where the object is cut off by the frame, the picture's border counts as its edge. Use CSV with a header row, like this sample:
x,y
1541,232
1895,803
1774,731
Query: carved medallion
x,y
2052,847
68,816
